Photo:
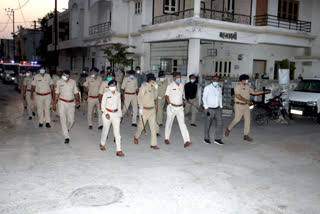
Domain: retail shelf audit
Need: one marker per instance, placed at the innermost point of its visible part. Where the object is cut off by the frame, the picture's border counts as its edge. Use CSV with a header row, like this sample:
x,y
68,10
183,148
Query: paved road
x,y
277,174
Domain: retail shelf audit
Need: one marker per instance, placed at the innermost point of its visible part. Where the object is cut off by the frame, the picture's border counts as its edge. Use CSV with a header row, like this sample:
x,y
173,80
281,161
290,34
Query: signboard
x,y
231,36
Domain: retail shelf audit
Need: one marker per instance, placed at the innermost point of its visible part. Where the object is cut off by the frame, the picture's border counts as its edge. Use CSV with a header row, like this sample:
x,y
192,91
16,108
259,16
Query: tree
x,y
118,54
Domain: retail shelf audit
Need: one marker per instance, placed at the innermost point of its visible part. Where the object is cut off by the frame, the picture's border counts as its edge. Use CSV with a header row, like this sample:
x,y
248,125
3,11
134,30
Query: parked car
x,y
305,99
10,77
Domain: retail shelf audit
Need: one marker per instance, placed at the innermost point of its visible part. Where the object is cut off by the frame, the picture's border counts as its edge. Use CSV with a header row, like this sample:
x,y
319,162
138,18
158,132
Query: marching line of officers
x,y
112,100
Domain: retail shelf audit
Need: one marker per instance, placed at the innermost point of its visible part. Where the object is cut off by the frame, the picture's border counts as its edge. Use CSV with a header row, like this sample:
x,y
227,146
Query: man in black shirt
x,y
191,89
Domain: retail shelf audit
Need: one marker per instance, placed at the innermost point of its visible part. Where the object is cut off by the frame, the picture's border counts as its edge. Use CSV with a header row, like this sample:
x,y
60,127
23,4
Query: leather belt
x,y
176,105
129,93
94,97
148,108
109,110
240,103
43,94
29,90
214,108
67,101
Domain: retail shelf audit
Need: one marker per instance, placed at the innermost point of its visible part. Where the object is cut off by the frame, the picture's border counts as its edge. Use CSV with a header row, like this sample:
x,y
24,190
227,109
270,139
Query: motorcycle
x,y
272,110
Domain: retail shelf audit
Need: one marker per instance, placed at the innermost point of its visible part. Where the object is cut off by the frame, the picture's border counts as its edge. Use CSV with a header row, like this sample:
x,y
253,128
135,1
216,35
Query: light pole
x,y
56,36
10,11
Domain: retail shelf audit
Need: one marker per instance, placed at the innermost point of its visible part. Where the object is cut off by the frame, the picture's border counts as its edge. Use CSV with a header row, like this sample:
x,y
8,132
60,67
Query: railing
x,y
100,28
275,21
173,16
225,16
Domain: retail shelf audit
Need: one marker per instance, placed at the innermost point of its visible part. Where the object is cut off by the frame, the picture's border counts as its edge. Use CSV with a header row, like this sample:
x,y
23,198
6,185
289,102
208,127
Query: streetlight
x,y
10,12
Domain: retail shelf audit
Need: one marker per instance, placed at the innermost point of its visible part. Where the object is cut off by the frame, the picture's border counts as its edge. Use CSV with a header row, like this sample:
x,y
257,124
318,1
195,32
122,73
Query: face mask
x,y
27,74
65,78
109,79
131,76
178,80
162,79
42,71
215,84
193,80
93,76
247,81
83,72
112,88
138,71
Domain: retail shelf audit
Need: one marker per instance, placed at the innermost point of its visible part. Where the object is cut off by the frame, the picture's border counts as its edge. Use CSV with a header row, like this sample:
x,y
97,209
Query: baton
x,y
199,109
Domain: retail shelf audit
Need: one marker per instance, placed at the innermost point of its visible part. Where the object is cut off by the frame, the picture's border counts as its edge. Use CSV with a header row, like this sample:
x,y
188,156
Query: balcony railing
x,y
274,21
225,16
100,28
173,16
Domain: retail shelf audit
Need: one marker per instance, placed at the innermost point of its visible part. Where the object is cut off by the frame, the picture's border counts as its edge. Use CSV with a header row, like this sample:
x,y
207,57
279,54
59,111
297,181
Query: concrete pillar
x,y
145,58
194,56
196,7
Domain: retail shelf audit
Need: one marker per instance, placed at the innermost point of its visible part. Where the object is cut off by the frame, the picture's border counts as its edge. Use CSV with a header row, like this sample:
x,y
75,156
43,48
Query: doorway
x,y
259,68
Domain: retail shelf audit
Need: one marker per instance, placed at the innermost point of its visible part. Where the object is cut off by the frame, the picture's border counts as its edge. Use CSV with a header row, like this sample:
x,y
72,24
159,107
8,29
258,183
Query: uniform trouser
x,y
29,103
43,105
192,107
94,102
241,110
161,102
172,112
115,121
25,104
215,114
130,99
148,116
66,112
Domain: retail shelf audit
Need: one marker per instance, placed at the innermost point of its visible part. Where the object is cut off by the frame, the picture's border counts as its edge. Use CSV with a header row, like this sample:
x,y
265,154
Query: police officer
x,y
111,114
21,78
162,87
242,101
26,91
91,88
119,74
42,84
67,97
104,87
147,100
174,97
129,90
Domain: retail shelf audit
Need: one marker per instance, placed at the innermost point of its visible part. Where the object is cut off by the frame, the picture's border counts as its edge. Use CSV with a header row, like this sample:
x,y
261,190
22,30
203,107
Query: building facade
x,y
203,37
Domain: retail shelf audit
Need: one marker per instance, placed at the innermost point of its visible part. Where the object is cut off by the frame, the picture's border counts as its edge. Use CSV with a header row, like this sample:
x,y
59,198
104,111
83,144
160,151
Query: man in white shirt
x,y
212,103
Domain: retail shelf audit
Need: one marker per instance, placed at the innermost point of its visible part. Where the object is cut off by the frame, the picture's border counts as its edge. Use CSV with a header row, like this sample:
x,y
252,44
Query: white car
x,y
305,99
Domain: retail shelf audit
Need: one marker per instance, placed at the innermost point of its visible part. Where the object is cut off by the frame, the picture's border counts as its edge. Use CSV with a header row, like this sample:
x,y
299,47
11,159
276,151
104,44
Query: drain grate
x,y
95,196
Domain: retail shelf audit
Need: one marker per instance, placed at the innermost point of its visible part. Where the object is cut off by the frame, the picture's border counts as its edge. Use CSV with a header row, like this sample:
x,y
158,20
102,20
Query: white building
x,y
206,37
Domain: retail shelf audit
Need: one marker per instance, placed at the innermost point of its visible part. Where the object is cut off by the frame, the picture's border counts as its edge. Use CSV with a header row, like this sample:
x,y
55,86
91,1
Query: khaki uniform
x,y
43,96
93,86
66,103
176,94
104,87
240,109
146,100
27,82
119,78
111,104
130,86
20,87
162,87
55,79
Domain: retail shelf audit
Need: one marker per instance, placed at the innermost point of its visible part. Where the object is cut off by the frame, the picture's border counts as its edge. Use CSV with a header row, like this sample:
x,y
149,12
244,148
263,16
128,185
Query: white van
x,y
305,99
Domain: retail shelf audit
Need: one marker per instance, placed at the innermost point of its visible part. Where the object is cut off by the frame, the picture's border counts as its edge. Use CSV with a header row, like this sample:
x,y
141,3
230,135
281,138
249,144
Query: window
x,y
138,7
170,6
165,65
222,67
288,10
175,65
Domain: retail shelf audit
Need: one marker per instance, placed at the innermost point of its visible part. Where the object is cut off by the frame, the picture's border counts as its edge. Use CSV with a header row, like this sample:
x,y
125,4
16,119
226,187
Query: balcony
x,y
100,28
173,16
290,24
225,16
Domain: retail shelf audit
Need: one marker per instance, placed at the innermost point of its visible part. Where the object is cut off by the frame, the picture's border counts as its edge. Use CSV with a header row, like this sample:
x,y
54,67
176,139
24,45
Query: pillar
x,y
196,7
145,58
194,57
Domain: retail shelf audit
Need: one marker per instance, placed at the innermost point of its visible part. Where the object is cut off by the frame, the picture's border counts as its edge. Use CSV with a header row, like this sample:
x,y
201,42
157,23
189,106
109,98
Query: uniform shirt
x,y
190,90
67,89
175,93
111,101
147,95
93,85
42,84
55,79
162,87
27,82
243,90
129,85
212,97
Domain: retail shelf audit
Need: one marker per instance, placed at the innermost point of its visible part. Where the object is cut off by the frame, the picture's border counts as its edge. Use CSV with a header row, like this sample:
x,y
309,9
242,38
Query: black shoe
x,y
30,118
219,142
193,125
160,125
25,107
66,141
40,125
90,127
100,127
207,141
33,114
134,125
48,125
158,134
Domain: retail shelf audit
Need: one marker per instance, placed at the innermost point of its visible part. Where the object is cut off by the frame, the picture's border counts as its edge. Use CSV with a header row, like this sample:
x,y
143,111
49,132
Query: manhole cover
x,y
95,196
